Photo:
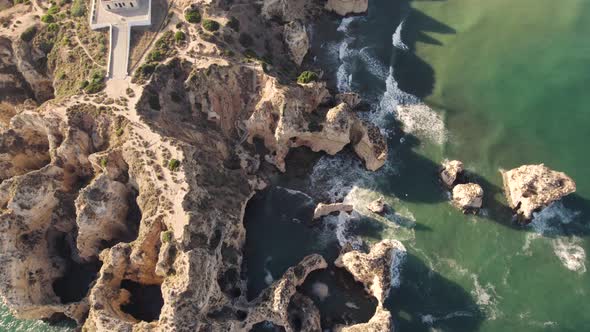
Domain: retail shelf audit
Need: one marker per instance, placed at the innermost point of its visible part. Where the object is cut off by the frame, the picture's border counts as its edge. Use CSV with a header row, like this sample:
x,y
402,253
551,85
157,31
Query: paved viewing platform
x,y
119,23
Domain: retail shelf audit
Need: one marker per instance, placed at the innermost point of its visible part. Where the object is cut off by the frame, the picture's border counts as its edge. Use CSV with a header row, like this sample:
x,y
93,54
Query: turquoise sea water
x,y
506,81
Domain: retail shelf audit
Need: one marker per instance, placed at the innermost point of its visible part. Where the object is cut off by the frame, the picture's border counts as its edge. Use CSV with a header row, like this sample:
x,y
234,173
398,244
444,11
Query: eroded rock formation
x,y
450,172
272,305
326,209
346,7
375,270
468,197
295,35
530,188
378,206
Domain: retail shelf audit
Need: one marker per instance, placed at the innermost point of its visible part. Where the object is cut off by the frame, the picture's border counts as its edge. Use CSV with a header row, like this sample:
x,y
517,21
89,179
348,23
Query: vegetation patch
x,y
179,36
246,40
192,16
307,77
29,34
96,82
234,24
78,8
173,164
210,25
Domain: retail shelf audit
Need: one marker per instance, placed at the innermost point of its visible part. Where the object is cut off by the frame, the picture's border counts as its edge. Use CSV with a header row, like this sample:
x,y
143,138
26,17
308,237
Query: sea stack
x,y
530,188
468,197
450,172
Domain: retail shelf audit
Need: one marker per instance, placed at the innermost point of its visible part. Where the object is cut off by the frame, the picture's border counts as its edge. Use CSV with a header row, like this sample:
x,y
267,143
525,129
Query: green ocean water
x,y
507,80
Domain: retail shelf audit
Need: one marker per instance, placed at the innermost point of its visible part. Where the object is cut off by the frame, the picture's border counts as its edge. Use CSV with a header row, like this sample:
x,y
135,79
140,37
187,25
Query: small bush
x,y
155,55
234,24
84,84
179,36
119,132
192,16
103,162
29,34
173,164
53,27
147,69
47,18
96,83
245,40
154,102
78,8
210,25
167,236
53,10
307,77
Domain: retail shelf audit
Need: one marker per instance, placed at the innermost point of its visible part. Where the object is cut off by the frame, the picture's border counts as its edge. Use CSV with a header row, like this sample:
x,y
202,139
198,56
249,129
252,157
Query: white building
x,y
119,5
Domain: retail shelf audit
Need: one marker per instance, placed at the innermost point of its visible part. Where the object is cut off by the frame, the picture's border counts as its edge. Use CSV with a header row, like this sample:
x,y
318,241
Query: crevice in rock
x,y
267,326
145,302
73,286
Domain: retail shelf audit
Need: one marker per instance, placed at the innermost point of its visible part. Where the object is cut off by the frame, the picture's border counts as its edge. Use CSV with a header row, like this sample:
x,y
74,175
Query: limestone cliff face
x,y
250,104
346,7
530,188
38,218
297,40
21,78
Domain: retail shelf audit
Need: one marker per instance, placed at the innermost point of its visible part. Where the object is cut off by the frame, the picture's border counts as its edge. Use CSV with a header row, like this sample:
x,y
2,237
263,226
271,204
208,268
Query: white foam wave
x,y
570,253
321,290
345,24
430,319
397,37
486,298
549,223
422,121
268,279
373,66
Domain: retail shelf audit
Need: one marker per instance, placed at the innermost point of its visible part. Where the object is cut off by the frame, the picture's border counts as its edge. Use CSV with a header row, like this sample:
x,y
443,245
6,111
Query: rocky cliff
x,y
123,211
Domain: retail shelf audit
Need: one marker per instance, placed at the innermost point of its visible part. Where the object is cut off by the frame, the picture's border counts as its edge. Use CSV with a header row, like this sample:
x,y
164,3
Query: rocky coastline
x,y
125,213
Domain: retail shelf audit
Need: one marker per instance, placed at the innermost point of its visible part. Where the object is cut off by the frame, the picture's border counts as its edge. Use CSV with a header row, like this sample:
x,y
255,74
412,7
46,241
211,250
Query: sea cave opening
x,y
146,301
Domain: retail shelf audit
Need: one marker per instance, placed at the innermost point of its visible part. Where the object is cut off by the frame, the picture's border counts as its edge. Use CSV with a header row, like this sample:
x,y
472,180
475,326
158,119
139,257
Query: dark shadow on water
x,y
412,73
427,301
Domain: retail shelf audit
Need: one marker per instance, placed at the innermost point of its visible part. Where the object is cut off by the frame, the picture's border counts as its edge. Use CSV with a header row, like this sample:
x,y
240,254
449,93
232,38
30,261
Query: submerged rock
x,y
378,206
530,188
468,197
326,209
346,7
451,170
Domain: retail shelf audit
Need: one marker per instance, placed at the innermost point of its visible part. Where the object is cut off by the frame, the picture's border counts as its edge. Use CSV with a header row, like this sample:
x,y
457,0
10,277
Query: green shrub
x,y
167,236
192,16
245,40
210,25
119,132
78,8
103,162
179,36
96,83
154,102
173,164
307,77
53,10
84,84
29,34
46,46
147,69
47,18
53,27
155,55
234,24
